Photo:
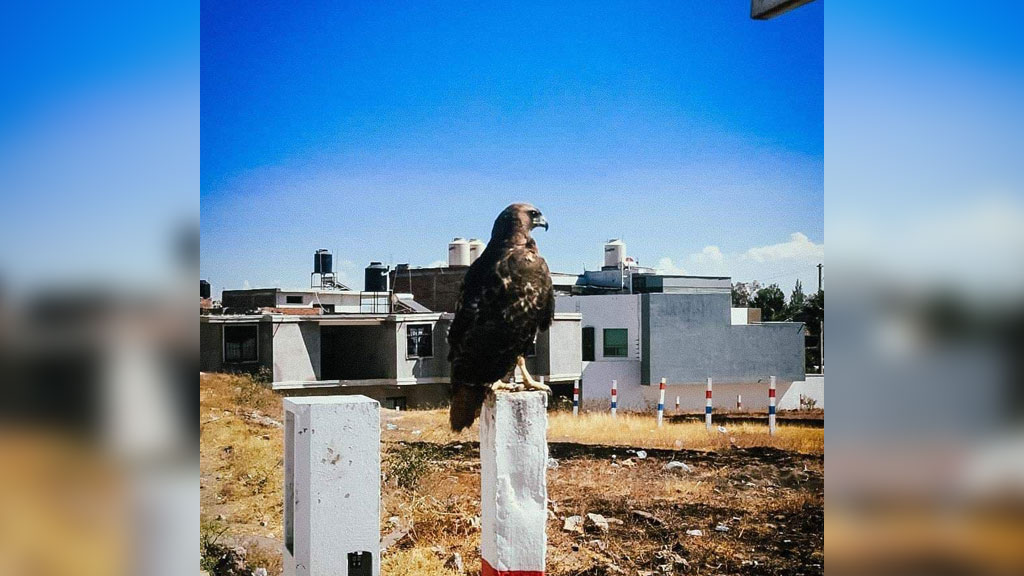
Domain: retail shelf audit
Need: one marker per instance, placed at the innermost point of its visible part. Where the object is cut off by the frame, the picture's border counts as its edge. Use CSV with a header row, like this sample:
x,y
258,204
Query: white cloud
x,y
781,263
437,264
799,247
666,266
709,255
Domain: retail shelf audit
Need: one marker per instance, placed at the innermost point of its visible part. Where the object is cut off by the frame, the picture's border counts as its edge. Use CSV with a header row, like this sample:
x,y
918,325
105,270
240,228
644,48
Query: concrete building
x,y
382,344
640,326
399,359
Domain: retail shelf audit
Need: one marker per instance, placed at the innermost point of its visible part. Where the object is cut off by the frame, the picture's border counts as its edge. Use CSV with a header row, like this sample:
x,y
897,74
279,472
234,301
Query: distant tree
x,y
812,314
796,302
742,292
740,295
772,302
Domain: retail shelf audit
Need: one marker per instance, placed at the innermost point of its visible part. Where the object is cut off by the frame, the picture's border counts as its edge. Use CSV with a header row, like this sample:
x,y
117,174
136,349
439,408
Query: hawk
x,y
506,298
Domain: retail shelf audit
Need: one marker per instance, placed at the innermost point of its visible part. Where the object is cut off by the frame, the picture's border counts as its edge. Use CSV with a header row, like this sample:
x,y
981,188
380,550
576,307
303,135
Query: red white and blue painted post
x,y
739,402
707,406
615,397
677,403
771,406
661,401
576,398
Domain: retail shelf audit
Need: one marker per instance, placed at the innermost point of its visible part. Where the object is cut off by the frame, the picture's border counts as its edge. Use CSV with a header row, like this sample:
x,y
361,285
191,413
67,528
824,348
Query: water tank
x,y
376,278
204,289
476,248
323,262
458,252
614,253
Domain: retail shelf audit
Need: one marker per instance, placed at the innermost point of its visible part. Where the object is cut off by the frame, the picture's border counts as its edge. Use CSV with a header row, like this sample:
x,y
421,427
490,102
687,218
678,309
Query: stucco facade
x,y
685,338
370,354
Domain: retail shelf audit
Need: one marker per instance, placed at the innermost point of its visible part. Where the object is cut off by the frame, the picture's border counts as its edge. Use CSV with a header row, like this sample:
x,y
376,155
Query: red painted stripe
x,y
488,570
662,386
707,394
613,392
771,392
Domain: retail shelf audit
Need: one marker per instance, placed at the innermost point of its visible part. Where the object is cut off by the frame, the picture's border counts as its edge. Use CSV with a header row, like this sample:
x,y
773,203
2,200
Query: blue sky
x,y
381,131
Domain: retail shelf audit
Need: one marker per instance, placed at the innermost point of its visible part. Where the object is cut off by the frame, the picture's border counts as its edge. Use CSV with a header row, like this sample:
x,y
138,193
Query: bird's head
x,y
518,220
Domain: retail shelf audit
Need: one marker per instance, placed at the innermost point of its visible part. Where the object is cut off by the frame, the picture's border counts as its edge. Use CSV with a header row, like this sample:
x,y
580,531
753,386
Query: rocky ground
x,y
738,508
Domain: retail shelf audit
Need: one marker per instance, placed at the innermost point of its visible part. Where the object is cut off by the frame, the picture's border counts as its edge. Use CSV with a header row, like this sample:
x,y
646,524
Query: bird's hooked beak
x,y
539,221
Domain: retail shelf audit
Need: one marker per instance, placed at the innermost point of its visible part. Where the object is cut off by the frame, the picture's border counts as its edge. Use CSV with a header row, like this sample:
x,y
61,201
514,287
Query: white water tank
x,y
476,248
614,253
458,252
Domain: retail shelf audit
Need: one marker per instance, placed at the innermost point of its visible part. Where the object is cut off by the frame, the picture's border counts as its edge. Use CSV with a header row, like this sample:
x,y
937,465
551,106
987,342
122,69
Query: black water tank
x,y
376,279
204,289
323,262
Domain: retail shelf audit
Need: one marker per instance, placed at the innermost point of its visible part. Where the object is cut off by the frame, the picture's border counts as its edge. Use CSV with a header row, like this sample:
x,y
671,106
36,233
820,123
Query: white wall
x,y
609,311
739,316
296,351
813,386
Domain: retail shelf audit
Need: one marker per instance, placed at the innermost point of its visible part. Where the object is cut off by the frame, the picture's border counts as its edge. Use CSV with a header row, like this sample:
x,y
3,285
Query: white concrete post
x,y
513,483
707,406
677,404
661,402
615,397
576,398
771,406
332,486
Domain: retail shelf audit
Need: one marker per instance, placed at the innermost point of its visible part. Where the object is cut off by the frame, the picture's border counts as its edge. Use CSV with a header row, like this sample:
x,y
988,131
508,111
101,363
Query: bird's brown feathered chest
x,y
506,298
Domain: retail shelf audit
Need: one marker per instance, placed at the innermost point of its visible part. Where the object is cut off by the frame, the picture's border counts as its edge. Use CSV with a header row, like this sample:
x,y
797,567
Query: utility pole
x,y
821,327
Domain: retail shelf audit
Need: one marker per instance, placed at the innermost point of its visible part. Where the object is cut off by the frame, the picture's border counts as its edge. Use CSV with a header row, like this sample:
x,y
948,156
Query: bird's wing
x,y
527,281
477,293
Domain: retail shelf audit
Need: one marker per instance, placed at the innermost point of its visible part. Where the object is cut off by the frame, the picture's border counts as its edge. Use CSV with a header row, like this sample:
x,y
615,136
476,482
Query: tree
x,y
796,301
772,302
812,314
742,293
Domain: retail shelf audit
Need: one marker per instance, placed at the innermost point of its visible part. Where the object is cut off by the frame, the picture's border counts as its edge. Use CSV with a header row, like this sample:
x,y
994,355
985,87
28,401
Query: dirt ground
x,y
758,508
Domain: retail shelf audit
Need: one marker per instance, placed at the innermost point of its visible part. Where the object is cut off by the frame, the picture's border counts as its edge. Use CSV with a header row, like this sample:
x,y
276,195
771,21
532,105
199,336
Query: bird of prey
x,y
506,299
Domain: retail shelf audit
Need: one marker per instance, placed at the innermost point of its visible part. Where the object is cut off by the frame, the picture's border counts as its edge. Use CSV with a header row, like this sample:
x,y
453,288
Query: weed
x,y
407,465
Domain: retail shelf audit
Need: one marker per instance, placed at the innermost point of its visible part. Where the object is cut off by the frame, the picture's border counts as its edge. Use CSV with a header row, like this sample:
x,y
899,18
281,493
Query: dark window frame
x,y
589,351
414,350
293,299
241,358
624,347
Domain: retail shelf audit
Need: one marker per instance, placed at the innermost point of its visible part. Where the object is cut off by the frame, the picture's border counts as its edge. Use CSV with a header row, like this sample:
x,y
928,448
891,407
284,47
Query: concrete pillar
x,y
513,483
332,486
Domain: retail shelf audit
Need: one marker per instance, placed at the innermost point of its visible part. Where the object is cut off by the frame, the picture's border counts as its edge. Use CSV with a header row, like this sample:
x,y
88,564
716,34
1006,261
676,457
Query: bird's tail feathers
x,y
465,406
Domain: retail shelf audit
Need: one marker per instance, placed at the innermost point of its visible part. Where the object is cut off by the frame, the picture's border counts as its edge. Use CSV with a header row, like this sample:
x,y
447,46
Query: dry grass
x,y
767,490
241,466
638,430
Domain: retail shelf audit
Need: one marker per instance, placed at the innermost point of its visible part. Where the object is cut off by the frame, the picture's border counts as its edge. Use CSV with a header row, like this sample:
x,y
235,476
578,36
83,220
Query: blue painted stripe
x,y
771,409
614,405
575,403
707,409
661,407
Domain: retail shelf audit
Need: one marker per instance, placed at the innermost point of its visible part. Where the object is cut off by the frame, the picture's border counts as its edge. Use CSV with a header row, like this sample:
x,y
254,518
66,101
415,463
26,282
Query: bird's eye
x,y
534,213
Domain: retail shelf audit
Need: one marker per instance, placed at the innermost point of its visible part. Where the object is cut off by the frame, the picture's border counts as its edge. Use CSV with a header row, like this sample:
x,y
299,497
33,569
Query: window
x,y
293,299
531,350
240,343
615,342
588,343
419,343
